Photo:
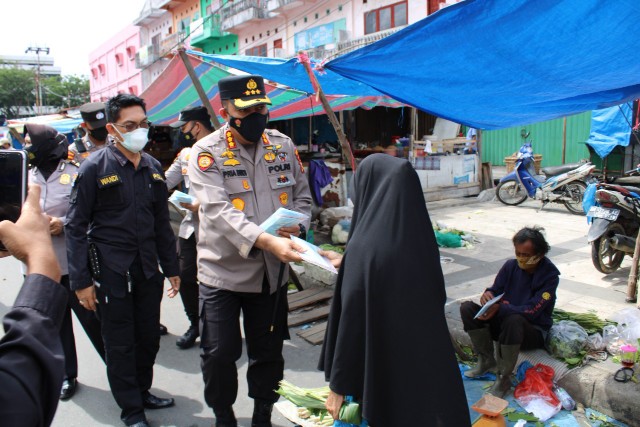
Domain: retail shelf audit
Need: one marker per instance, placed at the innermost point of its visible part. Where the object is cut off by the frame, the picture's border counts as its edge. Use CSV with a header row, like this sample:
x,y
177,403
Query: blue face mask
x,y
134,141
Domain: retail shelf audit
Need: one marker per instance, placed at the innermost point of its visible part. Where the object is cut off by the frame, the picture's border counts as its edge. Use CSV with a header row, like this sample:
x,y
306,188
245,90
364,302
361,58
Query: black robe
x,y
387,341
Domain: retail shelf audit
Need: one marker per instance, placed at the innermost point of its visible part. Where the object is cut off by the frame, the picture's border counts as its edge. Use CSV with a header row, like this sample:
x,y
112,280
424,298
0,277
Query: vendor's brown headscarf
x,y
47,148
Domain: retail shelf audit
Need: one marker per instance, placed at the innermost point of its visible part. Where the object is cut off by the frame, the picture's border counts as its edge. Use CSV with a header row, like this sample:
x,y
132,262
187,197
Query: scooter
x,y
616,220
558,184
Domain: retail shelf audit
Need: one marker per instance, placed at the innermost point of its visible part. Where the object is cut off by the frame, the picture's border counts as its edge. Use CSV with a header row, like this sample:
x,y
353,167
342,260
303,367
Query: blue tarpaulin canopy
x,y
494,64
489,64
610,127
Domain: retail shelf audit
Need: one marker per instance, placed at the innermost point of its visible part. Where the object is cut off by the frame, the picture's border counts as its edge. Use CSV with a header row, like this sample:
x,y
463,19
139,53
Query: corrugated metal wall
x,y
546,138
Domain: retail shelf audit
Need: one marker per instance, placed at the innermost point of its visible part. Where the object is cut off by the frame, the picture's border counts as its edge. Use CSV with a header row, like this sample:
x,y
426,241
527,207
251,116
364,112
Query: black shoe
x,y
163,329
139,424
68,389
261,413
189,338
225,417
154,402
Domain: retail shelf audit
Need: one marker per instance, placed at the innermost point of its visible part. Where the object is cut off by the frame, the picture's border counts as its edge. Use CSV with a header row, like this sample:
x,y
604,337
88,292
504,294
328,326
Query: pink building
x,y
113,66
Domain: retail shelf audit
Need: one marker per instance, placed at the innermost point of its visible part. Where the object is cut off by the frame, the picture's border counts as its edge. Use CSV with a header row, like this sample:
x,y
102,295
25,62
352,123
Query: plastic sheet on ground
x,y
475,388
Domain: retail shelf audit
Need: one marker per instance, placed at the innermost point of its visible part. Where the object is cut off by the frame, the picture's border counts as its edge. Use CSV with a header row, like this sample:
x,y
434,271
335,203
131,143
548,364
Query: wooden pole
x,y
196,83
632,285
346,149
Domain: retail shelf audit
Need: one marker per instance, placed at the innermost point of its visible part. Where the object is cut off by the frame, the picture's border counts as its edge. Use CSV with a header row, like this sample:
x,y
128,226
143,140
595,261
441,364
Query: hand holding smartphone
x,y
13,185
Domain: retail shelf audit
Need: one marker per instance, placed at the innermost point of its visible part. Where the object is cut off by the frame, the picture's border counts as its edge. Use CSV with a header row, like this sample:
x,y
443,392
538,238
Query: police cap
x,y
199,114
243,91
94,114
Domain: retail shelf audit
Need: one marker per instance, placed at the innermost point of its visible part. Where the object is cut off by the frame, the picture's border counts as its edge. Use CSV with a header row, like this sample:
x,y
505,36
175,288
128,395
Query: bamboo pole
x,y
346,149
564,140
632,285
17,136
196,83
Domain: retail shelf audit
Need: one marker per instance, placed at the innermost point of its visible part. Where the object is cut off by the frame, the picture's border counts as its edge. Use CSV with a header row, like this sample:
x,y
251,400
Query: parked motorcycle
x,y
616,220
557,184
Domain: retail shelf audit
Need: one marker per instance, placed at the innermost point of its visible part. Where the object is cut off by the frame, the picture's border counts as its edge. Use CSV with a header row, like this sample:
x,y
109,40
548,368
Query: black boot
x,y
189,337
225,417
261,413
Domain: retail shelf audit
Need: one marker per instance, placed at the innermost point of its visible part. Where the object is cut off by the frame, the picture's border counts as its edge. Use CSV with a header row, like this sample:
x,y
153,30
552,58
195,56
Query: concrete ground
x,y
177,372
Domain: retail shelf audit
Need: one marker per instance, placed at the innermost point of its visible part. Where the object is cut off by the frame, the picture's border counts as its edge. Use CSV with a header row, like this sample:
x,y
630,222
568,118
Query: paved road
x,y
178,373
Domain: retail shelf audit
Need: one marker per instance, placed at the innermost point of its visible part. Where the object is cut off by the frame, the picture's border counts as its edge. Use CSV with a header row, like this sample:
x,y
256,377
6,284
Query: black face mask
x,y
186,139
99,134
251,127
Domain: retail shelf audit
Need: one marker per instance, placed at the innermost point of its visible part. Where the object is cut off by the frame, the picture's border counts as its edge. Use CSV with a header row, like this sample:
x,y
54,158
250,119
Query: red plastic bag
x,y
537,383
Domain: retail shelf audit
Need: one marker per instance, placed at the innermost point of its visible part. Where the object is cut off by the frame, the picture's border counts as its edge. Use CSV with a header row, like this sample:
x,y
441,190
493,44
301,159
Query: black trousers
x,y
130,320
221,343
90,324
511,330
188,257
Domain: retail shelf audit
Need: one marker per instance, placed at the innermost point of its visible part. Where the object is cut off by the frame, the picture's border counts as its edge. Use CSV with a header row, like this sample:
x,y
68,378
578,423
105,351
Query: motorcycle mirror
x,y
524,134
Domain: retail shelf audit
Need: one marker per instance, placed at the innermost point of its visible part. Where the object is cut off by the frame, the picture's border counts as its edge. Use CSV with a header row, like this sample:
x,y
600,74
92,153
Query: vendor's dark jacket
x,y
532,295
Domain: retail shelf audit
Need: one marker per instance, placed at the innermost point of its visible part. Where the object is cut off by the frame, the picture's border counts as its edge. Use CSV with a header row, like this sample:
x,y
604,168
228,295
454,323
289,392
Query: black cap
x,y
199,114
245,91
94,114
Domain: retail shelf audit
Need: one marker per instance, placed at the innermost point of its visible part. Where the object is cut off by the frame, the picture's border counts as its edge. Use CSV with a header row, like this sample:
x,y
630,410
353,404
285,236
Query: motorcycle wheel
x,y
575,190
511,193
604,257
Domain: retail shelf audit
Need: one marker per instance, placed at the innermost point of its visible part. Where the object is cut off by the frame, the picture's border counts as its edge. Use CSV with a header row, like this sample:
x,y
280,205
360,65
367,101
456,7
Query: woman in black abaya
x,y
390,287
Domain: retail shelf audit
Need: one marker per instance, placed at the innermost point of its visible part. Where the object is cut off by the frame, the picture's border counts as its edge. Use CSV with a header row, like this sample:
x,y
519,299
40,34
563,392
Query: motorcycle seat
x,y
625,190
626,180
557,170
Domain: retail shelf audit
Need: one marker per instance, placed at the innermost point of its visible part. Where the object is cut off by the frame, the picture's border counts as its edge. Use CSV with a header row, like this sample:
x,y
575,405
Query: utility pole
x,y
37,50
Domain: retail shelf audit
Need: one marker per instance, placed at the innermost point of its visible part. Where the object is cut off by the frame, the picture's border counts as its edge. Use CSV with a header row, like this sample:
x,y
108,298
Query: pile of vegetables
x,y
450,237
589,321
311,401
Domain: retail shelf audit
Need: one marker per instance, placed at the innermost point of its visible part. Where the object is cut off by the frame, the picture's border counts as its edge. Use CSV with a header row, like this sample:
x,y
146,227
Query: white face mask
x,y
134,141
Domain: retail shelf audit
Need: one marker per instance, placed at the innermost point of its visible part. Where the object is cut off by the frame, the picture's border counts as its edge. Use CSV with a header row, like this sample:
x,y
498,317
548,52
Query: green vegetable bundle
x,y
315,398
589,321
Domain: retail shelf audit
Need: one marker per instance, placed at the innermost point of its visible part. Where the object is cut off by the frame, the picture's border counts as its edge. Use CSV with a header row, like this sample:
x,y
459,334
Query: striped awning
x,y
173,90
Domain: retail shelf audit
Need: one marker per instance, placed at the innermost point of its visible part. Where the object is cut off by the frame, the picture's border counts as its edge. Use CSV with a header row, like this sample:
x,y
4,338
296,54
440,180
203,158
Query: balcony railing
x,y
353,44
171,42
282,5
241,13
147,55
201,30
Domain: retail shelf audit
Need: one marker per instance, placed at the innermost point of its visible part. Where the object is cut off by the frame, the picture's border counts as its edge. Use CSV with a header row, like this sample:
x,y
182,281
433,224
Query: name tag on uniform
x,y
109,180
157,177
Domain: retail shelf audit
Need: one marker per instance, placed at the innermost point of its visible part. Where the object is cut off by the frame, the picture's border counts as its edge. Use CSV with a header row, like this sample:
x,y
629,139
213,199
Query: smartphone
x,y
13,184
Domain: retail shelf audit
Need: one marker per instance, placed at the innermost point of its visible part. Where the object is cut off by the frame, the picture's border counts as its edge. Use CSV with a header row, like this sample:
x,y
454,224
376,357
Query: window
x,y
119,59
94,73
257,51
102,69
385,18
277,44
133,90
131,52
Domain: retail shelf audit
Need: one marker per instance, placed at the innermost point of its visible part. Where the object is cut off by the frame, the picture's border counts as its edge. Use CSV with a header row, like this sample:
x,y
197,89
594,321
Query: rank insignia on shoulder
x,y
65,179
109,180
157,177
238,203
270,157
284,198
205,160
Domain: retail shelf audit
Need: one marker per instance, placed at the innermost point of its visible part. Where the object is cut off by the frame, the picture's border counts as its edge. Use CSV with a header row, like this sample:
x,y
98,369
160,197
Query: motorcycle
x,y
557,184
616,220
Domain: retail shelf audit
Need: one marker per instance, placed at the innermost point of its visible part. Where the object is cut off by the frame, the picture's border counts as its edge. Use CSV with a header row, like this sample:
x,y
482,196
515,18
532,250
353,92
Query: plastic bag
x,y
595,342
535,393
589,200
628,321
612,339
567,339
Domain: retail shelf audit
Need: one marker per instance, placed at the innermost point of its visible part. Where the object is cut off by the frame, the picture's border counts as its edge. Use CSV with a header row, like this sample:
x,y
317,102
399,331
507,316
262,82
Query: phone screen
x,y
13,184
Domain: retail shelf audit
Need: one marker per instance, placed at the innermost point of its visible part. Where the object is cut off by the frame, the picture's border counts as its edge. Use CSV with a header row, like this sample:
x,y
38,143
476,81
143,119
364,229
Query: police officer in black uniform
x,y
94,123
120,198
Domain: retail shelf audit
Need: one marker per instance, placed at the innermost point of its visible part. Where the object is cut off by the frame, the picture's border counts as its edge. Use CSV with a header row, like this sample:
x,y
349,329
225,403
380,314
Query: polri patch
x,y
157,177
109,180
238,203
284,198
205,160
65,179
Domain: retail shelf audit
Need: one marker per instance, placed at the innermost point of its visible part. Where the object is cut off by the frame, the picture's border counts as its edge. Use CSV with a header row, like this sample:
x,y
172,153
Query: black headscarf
x,y
390,289
47,148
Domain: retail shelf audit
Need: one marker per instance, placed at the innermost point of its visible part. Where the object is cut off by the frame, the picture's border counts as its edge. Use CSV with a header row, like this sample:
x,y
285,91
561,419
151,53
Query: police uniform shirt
x,y
90,147
177,173
54,201
125,212
237,192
